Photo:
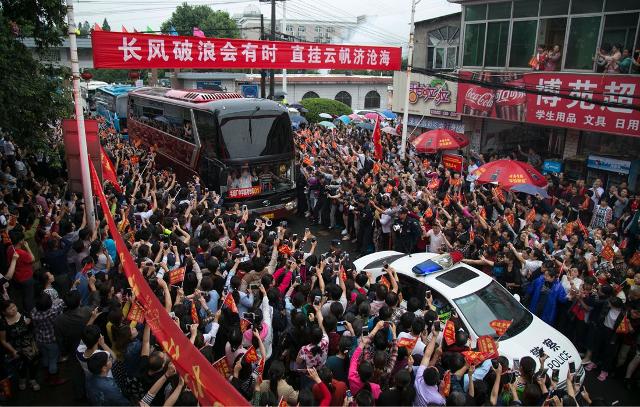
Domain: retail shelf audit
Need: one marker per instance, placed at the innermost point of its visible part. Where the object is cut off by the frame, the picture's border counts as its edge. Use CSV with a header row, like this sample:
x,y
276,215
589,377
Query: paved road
x,y
612,390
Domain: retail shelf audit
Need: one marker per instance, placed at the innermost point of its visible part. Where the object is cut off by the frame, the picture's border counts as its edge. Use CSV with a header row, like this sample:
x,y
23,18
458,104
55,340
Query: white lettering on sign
x,y
229,52
582,90
372,57
344,55
550,86
620,123
561,116
358,56
182,50
269,53
314,55
249,52
559,360
206,51
622,94
601,121
588,120
330,55
385,57
129,50
481,99
297,54
571,118
633,125
156,50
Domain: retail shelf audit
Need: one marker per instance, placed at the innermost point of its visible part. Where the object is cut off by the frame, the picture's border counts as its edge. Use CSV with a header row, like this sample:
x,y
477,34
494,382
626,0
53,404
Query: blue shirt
x,y
83,287
103,391
110,245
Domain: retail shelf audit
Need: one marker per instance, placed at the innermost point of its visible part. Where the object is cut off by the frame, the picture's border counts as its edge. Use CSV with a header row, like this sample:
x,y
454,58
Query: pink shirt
x,y
355,384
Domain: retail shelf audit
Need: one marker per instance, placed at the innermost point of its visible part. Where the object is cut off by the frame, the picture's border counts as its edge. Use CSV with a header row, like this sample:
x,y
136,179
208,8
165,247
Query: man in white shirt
x,y
436,239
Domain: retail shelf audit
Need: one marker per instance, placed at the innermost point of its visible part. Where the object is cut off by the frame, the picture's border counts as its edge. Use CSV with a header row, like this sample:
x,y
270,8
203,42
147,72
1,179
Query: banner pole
x,y
405,115
82,138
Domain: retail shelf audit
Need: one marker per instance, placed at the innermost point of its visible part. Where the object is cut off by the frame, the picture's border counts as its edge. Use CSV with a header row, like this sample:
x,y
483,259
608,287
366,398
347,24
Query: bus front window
x,y
258,179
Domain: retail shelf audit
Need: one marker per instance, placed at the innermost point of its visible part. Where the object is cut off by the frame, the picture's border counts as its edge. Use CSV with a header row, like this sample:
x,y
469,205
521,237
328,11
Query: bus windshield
x,y
255,135
259,179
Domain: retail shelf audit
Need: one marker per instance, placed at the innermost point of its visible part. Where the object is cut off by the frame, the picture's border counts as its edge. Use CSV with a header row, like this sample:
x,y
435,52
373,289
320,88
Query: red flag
x,y
343,273
483,213
108,172
282,402
428,213
511,219
500,326
194,313
446,201
198,32
244,324
625,326
260,369
434,183
487,345
472,234
136,313
377,143
445,385
222,366
385,282
531,216
251,356
96,27
449,333
230,303
176,276
376,167
408,343
607,253
498,193
474,358
584,230
87,267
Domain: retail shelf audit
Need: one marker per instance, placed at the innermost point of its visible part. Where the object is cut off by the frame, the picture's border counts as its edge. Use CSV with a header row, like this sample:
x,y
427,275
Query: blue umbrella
x,y
366,126
344,119
298,119
388,114
327,124
530,190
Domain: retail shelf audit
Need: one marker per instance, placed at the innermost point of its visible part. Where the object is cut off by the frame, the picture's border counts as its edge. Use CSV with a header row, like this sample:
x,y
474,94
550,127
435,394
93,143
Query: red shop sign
x,y
244,192
452,162
142,51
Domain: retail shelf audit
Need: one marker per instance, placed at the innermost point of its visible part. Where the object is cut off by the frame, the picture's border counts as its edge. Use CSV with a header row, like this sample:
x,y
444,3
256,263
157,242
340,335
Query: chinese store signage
x,y
140,51
557,107
428,95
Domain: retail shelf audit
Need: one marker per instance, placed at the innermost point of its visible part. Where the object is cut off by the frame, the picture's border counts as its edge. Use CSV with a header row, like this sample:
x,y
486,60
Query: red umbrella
x,y
508,173
372,115
439,139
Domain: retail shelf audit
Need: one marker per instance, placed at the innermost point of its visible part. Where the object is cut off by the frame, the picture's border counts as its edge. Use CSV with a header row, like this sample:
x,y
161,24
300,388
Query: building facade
x,y
437,42
61,55
535,77
321,31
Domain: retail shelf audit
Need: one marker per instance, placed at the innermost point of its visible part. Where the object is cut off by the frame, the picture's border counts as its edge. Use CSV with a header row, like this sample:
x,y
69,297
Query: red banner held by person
x,y
204,381
377,142
118,50
452,162
108,171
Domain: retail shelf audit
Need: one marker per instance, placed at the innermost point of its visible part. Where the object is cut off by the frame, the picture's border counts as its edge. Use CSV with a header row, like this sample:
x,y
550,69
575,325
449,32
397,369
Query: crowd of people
x,y
329,335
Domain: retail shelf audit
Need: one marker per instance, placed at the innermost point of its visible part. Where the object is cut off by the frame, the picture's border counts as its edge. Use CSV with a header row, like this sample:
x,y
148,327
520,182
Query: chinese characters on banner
x,y
555,109
244,192
428,95
142,51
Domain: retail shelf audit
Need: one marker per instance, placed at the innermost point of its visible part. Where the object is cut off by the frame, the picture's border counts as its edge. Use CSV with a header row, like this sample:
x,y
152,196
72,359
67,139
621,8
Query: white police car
x,y
477,299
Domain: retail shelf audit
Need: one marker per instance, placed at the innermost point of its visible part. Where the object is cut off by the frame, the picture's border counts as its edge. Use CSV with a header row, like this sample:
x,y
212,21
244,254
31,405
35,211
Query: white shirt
x,y
530,266
596,194
435,241
612,316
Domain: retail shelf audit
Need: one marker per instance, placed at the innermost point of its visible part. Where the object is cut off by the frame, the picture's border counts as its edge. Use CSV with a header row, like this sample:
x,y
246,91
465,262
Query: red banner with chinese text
x,y
205,382
452,162
244,192
556,106
143,51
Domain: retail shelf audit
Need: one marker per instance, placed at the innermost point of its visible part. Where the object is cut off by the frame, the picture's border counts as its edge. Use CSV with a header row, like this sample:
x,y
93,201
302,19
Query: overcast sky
x,y
388,20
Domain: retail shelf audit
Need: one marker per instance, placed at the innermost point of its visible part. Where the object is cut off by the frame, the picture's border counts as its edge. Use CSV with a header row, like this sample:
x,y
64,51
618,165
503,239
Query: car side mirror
x,y
517,297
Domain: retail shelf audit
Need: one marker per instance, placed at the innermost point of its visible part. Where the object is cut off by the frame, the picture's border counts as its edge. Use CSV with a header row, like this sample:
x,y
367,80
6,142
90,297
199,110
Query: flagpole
x,y
87,193
405,115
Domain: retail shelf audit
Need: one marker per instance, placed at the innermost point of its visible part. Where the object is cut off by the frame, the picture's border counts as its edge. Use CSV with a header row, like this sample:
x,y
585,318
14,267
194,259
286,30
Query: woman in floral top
x,y
314,355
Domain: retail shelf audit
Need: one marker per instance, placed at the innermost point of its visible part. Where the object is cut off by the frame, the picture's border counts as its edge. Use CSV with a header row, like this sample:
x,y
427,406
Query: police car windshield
x,y
490,303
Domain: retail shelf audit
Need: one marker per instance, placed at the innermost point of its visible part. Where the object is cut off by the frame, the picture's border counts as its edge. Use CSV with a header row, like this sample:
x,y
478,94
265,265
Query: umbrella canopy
x,y
372,115
298,119
325,116
530,190
293,112
366,126
355,117
327,124
344,119
439,139
388,114
508,173
390,130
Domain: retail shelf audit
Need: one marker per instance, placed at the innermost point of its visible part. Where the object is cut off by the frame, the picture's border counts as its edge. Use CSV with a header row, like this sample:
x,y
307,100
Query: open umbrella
x,y
298,119
299,107
327,125
388,114
344,119
439,139
366,126
325,116
372,115
293,111
390,130
508,173
530,190
355,117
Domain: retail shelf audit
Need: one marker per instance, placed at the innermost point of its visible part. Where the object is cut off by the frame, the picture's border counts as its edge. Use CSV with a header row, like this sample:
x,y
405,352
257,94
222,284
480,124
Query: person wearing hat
x,y
102,389
407,232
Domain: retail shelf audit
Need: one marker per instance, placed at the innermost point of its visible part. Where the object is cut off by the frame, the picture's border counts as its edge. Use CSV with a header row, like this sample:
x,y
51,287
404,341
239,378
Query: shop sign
x,y
435,123
249,91
209,85
452,162
428,95
608,164
551,166
567,100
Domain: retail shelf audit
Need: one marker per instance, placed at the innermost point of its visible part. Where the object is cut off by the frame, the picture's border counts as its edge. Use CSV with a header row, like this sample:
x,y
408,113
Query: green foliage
x,y
85,28
32,96
110,75
214,23
105,25
315,106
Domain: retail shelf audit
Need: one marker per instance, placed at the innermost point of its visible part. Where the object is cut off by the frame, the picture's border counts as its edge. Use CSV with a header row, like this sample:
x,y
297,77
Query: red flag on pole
x,y
230,303
136,313
108,172
487,345
198,32
251,356
408,343
176,276
500,326
449,333
377,142
445,385
194,313
222,366
124,30
96,27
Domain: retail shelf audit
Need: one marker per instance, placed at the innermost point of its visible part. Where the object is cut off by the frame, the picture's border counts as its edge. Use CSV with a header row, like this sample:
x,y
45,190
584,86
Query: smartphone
x,y
348,393
249,316
89,273
244,208
365,331
427,294
495,363
436,326
254,286
516,364
294,237
385,266
555,375
316,300
306,230
572,367
187,251
298,280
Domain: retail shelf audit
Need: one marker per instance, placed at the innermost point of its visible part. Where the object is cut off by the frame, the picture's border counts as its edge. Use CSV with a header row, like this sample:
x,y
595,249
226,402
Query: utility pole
x,y
405,116
284,30
263,73
272,73
82,137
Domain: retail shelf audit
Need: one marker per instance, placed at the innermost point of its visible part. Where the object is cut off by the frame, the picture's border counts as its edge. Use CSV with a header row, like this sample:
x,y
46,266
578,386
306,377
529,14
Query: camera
x,y
316,300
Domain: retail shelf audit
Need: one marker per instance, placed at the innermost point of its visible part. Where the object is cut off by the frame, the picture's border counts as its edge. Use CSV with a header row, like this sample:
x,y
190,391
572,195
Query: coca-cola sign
x,y
510,97
479,98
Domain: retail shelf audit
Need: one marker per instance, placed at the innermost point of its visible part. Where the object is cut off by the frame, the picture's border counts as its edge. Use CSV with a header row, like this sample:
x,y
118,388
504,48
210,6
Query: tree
x,y
214,23
33,96
315,106
105,25
85,28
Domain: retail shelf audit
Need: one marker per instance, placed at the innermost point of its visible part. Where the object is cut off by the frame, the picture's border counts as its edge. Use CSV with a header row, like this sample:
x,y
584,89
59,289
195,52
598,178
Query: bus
x,y
111,103
241,148
87,91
